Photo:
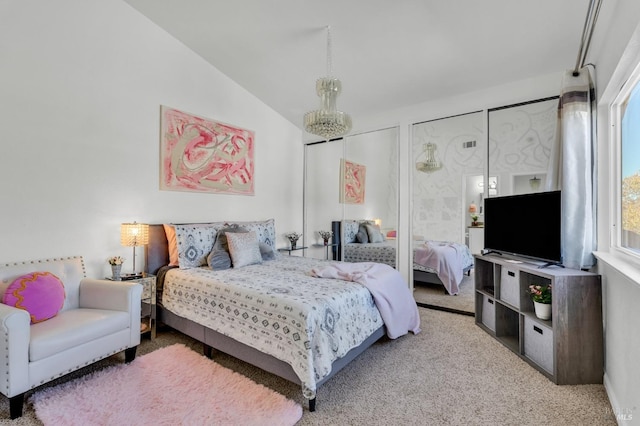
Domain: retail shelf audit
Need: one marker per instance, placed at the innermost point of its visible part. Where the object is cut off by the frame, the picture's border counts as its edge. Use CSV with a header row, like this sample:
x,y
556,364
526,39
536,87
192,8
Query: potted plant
x,y
116,266
541,296
326,235
293,238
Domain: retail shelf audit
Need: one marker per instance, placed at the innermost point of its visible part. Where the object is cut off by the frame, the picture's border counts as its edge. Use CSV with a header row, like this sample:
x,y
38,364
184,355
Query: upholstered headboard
x,y
157,251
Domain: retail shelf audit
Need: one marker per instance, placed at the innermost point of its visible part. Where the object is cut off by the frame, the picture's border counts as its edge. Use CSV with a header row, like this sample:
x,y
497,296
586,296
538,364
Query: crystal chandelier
x,y
429,163
327,121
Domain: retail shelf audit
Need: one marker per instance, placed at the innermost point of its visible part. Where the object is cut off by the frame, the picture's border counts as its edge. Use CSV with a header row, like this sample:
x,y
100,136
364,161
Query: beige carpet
x,y
434,295
452,373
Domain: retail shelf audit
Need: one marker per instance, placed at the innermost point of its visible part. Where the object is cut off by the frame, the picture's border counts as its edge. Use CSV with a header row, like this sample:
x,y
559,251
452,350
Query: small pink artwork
x,y
202,155
352,180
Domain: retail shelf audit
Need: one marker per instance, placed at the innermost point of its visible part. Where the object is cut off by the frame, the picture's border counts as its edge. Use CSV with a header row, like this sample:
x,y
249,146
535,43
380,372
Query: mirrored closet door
x,y
354,178
521,138
448,157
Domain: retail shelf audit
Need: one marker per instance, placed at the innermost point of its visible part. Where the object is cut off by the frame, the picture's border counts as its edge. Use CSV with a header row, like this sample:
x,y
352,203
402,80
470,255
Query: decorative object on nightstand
x,y
116,267
293,239
541,296
134,235
326,236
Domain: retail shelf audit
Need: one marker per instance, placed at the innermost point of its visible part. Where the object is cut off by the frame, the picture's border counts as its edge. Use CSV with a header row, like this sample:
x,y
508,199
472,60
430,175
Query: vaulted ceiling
x,y
388,54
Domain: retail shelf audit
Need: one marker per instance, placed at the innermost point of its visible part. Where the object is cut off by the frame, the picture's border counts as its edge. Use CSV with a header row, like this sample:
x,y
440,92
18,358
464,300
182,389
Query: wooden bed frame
x,y
157,256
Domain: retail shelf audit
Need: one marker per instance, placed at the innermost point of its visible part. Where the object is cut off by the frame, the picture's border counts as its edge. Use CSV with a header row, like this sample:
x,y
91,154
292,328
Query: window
x,y
626,111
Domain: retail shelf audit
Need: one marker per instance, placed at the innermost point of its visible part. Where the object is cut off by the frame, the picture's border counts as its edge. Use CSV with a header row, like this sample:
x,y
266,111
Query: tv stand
x,y
568,348
488,252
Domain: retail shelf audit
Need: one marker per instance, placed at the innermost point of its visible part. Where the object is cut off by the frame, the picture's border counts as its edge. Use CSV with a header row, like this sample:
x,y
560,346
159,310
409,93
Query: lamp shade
x,y
134,234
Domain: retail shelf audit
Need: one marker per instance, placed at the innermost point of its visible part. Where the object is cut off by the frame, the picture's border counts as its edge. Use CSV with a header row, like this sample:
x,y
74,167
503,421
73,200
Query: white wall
x,y
617,49
80,94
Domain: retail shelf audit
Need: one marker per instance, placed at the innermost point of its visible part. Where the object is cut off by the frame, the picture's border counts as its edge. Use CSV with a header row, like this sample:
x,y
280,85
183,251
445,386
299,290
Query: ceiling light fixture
x,y
534,182
430,163
327,121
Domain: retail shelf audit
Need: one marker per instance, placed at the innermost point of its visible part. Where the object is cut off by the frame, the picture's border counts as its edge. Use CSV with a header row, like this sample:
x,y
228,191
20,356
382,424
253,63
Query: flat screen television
x,y
525,225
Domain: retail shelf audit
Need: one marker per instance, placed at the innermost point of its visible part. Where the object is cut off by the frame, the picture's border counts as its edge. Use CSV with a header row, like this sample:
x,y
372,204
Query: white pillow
x,y
244,248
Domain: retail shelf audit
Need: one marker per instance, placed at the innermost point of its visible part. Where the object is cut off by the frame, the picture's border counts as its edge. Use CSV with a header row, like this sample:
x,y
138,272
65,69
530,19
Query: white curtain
x,y
572,168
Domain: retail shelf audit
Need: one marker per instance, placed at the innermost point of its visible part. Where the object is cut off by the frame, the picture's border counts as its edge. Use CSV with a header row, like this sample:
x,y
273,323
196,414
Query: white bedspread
x,y
447,259
279,309
390,292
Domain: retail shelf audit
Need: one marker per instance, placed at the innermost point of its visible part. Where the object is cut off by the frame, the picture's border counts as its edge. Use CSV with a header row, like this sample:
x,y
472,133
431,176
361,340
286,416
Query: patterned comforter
x,y
446,259
384,252
278,308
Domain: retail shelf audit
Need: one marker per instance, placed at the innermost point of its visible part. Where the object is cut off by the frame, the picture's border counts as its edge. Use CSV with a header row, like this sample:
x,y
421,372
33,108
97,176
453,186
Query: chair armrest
x,y
116,296
105,294
15,332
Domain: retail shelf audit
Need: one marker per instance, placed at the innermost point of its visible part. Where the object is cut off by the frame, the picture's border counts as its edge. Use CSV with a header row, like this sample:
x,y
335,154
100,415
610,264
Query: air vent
x,y
469,144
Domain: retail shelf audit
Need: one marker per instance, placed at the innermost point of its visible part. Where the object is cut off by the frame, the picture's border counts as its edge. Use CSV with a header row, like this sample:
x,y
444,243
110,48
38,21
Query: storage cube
x,y
488,312
510,287
538,343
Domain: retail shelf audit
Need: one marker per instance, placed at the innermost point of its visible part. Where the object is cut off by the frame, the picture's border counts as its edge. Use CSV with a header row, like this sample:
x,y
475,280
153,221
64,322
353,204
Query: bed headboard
x,y
156,253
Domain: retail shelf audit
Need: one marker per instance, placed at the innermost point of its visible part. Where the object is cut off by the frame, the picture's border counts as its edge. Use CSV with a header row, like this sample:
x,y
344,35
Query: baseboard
x,y
445,309
622,414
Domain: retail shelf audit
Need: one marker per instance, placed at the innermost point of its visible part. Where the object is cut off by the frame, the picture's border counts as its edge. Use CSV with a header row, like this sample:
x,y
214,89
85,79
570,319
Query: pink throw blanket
x,y
445,259
389,290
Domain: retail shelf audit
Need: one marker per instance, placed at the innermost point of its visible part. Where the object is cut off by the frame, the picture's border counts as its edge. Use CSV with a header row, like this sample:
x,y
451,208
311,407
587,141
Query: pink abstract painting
x,y
203,155
352,180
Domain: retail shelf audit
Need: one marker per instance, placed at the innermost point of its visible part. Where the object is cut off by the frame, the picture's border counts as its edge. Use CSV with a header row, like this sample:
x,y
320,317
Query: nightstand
x,y
148,300
326,248
293,249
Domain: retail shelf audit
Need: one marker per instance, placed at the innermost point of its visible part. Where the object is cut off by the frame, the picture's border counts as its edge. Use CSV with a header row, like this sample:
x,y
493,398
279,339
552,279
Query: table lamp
x,y
133,235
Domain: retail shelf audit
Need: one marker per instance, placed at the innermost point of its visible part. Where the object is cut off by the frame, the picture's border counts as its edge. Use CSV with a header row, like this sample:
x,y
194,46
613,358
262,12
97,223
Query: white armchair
x,y
99,318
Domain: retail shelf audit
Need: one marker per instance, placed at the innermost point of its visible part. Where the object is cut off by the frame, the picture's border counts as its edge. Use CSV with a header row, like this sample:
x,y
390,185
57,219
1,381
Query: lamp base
x,y
133,276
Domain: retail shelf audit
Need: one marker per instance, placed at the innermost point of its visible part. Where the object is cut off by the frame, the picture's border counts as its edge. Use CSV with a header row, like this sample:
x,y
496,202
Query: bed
x,y
434,262
272,314
362,241
441,262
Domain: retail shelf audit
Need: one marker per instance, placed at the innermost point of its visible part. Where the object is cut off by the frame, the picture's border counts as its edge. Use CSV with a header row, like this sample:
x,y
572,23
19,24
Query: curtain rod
x,y
587,32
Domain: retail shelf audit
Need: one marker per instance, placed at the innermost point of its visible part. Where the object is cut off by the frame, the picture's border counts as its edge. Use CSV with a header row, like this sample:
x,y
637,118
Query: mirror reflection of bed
x,y
441,268
442,276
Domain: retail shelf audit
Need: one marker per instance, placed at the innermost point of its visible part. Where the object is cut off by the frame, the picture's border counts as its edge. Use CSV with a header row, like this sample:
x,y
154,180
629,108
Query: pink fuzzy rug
x,y
170,386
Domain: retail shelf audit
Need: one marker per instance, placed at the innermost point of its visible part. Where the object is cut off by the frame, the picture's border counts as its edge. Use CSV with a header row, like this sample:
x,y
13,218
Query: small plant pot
x,y
115,272
543,310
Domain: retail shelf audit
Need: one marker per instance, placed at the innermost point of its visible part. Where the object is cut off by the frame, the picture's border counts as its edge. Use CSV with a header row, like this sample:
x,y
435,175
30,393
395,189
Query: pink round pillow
x,y
39,293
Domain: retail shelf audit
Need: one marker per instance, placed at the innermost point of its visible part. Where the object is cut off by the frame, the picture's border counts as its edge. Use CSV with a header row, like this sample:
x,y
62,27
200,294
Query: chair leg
x,y
130,354
15,406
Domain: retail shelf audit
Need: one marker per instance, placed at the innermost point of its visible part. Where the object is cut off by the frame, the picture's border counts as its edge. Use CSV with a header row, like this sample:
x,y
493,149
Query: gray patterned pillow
x,y
375,236
244,248
194,244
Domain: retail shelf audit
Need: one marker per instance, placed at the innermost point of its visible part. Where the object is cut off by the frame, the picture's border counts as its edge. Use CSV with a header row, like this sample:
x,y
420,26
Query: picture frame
x,y
200,154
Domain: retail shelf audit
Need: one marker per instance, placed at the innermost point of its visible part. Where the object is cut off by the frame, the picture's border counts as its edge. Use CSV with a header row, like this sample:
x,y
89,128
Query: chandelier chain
x,y
329,64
